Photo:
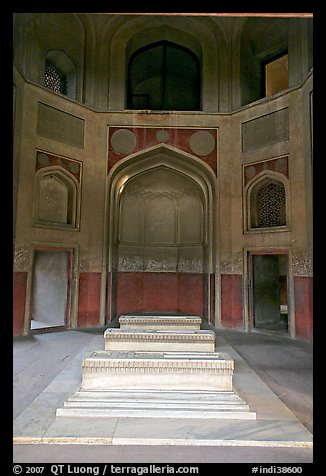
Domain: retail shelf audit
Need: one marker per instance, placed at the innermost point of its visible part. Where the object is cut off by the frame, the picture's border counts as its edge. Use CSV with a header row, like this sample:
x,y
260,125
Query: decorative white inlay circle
x,y
73,167
250,171
43,159
162,135
123,141
202,142
280,164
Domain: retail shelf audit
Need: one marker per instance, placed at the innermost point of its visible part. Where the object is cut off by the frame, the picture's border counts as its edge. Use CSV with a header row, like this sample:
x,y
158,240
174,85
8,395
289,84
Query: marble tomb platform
x,y
157,366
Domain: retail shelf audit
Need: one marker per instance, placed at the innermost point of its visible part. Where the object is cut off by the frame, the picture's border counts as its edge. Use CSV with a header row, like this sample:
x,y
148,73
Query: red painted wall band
x,y
303,298
231,300
19,298
89,299
177,137
163,292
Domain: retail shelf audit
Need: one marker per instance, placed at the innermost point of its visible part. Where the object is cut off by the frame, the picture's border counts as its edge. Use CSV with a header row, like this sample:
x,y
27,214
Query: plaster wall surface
x,y
230,159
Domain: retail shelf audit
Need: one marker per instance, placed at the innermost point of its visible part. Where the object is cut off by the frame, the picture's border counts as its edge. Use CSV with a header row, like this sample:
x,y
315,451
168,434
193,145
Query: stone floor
x,y
274,373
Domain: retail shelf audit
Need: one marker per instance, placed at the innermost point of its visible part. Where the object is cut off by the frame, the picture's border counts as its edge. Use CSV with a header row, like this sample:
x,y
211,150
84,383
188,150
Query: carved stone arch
x,y
56,198
163,33
252,188
171,185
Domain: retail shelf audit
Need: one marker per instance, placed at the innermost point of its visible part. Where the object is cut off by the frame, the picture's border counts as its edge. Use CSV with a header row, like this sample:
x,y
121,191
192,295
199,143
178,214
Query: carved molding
x,y
134,321
190,265
139,336
21,257
130,263
232,263
151,264
302,262
146,193
125,362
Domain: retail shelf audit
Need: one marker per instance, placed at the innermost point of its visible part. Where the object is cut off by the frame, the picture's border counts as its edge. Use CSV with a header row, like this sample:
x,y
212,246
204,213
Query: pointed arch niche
x,y
160,239
267,203
56,199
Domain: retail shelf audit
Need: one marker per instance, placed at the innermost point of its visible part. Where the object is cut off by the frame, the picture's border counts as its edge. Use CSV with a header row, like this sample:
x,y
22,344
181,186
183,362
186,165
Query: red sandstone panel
x,y
108,297
160,292
89,299
19,297
303,296
212,298
231,300
130,292
279,165
177,137
191,293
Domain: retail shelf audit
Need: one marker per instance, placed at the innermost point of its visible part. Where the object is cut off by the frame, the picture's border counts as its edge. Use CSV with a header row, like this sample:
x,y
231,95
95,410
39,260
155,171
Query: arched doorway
x,y
164,76
160,236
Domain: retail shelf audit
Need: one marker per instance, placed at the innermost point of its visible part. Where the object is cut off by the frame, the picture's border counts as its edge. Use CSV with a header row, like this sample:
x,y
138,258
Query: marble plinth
x,y
159,340
157,366
159,322
112,370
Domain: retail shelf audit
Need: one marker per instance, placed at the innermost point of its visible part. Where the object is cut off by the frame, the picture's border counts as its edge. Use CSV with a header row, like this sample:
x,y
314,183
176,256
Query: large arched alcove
x,y
139,32
160,234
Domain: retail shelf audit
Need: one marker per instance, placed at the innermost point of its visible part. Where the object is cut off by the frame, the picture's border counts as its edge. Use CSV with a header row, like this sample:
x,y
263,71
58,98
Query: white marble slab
x,y
159,322
111,370
159,340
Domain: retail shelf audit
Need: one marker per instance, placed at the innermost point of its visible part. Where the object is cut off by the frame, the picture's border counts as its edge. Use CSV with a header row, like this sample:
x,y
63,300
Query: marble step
x,y
112,370
159,340
156,404
191,397
159,322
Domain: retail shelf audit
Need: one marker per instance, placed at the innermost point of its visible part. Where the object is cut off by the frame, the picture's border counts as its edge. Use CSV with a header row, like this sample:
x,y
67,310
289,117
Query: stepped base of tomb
x,y
157,366
159,340
160,404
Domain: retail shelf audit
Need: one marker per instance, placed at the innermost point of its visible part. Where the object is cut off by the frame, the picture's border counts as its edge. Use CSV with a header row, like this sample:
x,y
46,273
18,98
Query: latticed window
x,y
53,79
270,205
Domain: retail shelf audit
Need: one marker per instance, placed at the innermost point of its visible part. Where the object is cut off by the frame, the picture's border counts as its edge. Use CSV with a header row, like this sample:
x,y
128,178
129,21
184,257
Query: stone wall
x,y
223,154
73,153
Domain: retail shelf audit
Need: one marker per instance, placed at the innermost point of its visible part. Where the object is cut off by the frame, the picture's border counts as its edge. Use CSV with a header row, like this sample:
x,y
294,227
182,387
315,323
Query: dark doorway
x,y
50,289
270,292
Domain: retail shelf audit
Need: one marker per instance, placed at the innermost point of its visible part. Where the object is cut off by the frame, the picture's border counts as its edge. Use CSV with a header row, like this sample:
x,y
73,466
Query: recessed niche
x,y
56,199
